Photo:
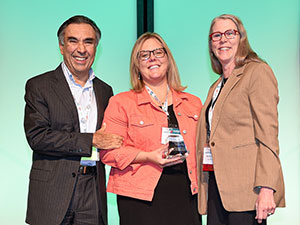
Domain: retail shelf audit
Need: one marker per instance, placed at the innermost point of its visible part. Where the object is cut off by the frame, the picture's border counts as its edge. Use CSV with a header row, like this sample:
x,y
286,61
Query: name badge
x,y
94,157
165,135
208,164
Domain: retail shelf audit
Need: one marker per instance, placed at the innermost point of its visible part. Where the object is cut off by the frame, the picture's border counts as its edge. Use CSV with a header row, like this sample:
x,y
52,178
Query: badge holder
x,y
208,164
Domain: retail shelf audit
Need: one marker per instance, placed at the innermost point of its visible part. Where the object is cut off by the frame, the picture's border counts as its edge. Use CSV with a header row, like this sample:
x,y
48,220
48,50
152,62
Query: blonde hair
x,y
136,79
244,52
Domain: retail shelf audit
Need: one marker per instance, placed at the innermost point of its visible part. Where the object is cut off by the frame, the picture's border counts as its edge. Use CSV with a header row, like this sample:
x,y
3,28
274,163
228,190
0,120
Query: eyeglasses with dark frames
x,y
146,54
229,34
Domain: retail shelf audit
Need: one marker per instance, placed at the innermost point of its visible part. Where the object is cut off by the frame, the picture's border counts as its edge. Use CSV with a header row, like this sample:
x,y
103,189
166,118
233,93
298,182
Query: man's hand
x,y
265,204
103,140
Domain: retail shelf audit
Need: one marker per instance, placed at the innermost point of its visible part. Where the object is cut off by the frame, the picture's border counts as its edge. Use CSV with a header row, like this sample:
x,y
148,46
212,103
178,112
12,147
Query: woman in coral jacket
x,y
154,172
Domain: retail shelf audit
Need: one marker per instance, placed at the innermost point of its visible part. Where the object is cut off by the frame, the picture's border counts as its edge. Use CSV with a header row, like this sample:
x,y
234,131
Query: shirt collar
x,y
143,97
71,80
178,97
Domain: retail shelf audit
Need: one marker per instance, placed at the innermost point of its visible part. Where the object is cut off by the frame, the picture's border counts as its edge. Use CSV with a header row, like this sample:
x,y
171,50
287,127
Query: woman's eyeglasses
x,y
229,34
146,54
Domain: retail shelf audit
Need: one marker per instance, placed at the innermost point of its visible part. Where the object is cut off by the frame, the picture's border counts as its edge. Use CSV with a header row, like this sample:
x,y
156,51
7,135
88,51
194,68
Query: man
x,y
64,108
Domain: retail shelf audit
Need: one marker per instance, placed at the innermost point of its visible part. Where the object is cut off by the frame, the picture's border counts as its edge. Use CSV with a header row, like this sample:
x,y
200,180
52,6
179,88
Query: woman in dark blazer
x,y
237,149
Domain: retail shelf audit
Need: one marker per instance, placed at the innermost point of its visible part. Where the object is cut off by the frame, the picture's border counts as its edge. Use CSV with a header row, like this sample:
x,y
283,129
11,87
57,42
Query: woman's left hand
x,y
265,204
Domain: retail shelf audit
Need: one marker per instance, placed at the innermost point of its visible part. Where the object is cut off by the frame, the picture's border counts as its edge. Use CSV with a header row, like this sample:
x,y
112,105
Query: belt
x,y
84,170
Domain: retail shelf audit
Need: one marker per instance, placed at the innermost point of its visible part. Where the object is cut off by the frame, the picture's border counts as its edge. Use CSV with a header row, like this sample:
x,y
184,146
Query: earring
x,y
139,77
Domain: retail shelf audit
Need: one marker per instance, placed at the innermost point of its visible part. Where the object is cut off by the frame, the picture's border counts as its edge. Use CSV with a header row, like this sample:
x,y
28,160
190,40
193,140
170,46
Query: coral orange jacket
x,y
135,117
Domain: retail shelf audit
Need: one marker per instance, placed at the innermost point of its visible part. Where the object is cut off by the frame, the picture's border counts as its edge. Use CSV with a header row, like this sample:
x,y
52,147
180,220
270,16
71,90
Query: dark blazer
x,y
53,133
243,140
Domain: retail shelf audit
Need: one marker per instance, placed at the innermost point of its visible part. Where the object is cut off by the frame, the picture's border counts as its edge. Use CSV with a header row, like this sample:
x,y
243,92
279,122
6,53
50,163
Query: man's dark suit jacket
x,y
53,133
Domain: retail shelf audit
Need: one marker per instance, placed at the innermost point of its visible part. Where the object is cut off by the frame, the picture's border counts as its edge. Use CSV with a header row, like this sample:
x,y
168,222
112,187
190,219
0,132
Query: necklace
x,y
164,105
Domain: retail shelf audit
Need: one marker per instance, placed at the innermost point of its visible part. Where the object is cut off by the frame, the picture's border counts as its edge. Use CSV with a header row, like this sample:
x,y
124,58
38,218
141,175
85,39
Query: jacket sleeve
x,y
263,96
44,134
116,119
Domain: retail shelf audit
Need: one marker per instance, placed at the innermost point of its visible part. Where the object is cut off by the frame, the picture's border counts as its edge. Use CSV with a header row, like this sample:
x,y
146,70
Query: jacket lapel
x,y
230,83
63,92
202,118
99,94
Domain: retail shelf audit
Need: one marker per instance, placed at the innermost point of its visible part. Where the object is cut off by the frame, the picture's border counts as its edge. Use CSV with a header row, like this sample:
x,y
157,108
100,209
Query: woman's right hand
x,y
159,157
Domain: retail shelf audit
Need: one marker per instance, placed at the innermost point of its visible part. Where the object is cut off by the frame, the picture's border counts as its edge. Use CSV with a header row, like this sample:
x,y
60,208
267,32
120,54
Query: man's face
x,y
79,49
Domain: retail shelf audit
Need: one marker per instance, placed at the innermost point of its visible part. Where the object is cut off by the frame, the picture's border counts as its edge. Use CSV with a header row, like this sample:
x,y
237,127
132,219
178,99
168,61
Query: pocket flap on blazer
x,y
39,174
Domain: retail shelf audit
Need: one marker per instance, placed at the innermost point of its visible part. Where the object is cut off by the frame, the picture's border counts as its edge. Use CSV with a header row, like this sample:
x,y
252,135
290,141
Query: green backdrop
x,y
29,47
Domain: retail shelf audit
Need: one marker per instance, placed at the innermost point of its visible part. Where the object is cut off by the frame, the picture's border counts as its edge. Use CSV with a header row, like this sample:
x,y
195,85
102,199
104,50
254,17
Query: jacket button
x,y
141,122
195,116
73,175
191,172
194,189
184,131
179,114
212,144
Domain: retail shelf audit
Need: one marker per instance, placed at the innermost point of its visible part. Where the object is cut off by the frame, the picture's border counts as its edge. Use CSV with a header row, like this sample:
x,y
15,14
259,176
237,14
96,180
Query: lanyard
x,y
163,105
84,112
213,101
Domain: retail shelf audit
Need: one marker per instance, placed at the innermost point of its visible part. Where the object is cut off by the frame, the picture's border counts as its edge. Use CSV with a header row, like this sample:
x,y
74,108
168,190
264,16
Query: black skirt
x,y
172,204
